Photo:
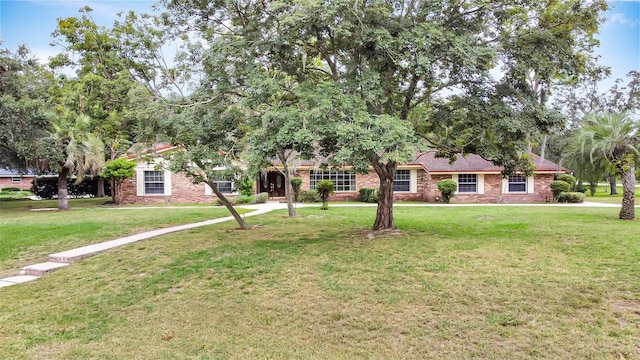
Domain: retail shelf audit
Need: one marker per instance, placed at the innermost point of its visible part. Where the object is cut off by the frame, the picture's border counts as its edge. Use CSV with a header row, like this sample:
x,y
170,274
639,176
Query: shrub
x,y
325,188
245,186
571,197
365,194
559,186
448,189
569,179
295,184
47,188
310,196
244,199
261,198
11,189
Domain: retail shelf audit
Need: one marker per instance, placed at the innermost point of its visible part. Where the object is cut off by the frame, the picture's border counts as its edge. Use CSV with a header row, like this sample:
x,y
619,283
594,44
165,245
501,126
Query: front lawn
x,y
458,282
27,237
603,195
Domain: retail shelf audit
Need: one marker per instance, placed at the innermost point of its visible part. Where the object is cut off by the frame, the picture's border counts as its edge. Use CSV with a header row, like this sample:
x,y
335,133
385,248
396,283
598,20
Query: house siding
x,y
24,183
182,191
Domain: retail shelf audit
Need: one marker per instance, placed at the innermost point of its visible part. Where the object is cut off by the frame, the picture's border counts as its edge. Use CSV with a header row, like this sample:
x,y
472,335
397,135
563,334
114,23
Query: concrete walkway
x,y
62,259
65,258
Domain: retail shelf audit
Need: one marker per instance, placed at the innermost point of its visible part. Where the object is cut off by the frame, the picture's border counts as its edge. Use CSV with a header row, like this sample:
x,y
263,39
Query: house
x,y
478,181
13,178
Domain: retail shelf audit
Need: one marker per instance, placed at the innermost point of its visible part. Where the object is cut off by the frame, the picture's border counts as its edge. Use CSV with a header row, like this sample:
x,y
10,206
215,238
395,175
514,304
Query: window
x,y
517,183
402,181
153,182
16,179
225,187
343,180
467,183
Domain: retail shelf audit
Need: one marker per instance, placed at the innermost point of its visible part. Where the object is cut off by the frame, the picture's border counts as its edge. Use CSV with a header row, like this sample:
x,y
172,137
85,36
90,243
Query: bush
x,y
559,186
365,194
261,198
448,189
571,197
569,179
310,196
245,186
10,189
47,188
243,199
295,184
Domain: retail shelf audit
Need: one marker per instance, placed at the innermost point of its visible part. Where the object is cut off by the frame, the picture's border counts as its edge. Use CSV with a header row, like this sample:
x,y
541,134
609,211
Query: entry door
x,y
273,184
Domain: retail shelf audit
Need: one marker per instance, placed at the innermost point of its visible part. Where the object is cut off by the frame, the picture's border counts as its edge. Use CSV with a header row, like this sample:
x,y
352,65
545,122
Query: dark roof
x,y
474,163
5,172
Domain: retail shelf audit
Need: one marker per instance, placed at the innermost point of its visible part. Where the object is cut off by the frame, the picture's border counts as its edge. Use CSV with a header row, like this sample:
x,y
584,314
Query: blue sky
x,y
32,21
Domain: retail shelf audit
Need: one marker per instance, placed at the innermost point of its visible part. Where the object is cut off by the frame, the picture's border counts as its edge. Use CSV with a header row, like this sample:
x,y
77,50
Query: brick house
x,y
12,178
478,181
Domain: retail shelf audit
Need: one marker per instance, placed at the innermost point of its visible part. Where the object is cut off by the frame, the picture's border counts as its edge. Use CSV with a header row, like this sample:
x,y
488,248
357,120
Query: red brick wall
x,y
182,191
493,191
24,184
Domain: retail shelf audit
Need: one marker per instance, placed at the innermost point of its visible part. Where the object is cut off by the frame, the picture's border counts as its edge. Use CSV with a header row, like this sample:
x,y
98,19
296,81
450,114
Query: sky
x,y
32,21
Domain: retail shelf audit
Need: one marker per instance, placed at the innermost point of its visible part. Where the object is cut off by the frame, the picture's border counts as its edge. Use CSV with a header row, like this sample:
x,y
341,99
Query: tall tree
x,y
382,69
80,152
24,118
614,139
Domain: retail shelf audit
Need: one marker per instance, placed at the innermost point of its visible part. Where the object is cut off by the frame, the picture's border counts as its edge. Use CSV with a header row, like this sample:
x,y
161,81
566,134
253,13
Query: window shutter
x,y
167,182
207,190
480,184
505,185
530,185
139,182
413,176
454,177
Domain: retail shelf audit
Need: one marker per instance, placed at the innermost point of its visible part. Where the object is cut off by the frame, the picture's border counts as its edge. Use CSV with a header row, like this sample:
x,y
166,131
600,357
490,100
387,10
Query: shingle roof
x,y
476,164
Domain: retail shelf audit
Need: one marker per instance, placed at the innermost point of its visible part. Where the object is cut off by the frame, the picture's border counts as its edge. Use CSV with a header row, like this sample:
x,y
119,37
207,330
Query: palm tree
x,y
325,188
611,139
79,150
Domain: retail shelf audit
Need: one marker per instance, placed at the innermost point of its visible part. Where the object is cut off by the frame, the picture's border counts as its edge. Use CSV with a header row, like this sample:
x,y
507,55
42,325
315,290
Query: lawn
x,y
602,195
27,237
458,282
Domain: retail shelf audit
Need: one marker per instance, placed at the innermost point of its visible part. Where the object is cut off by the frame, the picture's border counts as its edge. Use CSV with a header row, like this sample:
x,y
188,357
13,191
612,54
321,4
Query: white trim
x,y
530,185
166,178
454,177
480,183
505,185
414,180
167,183
209,192
140,182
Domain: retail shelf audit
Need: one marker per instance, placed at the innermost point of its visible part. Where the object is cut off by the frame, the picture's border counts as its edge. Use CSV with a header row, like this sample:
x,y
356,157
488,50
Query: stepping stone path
x,y
63,259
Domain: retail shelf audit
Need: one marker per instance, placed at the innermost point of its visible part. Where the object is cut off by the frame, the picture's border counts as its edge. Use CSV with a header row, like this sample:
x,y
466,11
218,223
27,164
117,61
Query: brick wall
x,y
493,190
23,184
182,191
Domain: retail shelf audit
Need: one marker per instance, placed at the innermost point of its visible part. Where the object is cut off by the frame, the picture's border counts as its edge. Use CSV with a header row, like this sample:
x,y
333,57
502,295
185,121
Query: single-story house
x,y
13,178
478,181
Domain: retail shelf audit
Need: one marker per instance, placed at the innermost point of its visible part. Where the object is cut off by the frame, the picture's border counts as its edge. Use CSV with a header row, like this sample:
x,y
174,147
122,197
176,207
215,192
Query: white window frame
x,y
140,183
208,191
530,187
405,181
479,183
338,177
16,179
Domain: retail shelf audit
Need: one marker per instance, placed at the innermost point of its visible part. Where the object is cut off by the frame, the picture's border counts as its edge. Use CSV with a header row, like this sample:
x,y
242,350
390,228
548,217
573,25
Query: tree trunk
x,y
384,214
63,200
116,194
543,145
100,187
627,212
613,185
241,223
288,189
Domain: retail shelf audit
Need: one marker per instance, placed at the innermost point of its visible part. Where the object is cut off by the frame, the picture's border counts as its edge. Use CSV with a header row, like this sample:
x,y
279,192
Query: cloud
x,y
622,19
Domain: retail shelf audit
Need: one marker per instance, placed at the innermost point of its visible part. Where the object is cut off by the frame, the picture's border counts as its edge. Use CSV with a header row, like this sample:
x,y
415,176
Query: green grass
x,y
458,282
27,237
602,195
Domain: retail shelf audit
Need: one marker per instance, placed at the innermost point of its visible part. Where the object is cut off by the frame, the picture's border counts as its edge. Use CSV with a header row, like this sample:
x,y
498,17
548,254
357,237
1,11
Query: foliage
x,y
10,189
47,187
325,188
309,196
244,186
261,198
244,199
571,197
368,195
447,188
569,179
610,141
296,183
116,172
559,186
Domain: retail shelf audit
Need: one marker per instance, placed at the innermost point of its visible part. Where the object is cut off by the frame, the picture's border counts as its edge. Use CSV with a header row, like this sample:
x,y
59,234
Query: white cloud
x,y
621,19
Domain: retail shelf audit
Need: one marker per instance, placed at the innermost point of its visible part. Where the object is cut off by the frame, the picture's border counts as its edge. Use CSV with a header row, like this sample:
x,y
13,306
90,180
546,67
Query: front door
x,y
273,184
